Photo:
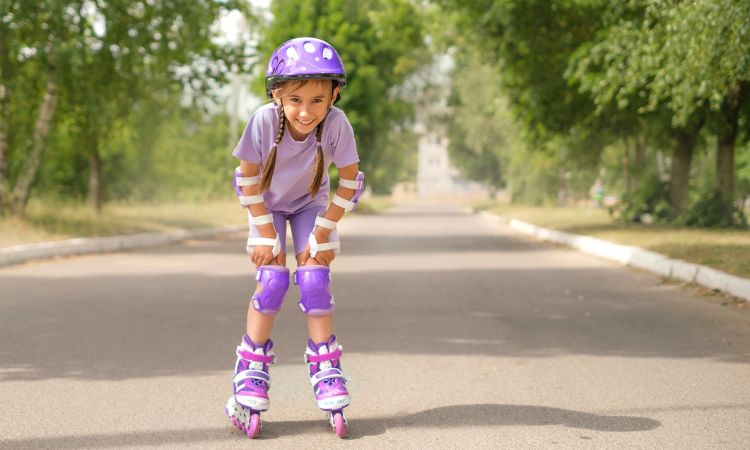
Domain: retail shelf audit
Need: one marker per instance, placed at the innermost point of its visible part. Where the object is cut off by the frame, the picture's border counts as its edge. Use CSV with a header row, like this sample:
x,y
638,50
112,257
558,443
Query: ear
x,y
334,95
276,93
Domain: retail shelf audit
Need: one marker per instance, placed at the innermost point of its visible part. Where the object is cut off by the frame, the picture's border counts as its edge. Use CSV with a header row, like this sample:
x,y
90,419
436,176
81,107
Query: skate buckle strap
x,y
325,356
252,375
250,356
326,374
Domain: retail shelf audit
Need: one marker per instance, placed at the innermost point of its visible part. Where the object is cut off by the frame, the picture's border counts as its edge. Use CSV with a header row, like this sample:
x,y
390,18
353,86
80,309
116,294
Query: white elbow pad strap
x,y
358,185
247,181
325,223
350,184
342,202
246,200
315,247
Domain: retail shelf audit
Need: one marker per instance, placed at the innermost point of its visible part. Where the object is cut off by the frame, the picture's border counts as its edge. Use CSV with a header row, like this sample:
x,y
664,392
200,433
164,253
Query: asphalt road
x,y
456,335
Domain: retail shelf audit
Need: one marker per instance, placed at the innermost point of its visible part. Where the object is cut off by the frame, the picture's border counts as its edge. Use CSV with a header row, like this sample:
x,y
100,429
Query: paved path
x,y
456,336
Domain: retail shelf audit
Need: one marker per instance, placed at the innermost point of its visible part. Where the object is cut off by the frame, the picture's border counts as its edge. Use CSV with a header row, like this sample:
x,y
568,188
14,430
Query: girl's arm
x,y
333,213
262,254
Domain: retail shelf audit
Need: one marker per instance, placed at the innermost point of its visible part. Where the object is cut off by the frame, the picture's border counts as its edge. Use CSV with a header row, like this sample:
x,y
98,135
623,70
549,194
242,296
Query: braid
x,y
265,182
318,166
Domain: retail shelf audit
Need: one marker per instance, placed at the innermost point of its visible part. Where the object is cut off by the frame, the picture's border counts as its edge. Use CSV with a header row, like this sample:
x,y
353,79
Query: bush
x,y
709,210
651,200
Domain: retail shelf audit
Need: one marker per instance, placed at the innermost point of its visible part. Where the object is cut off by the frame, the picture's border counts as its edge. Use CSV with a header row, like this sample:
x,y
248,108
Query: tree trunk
x,y
730,111
626,167
95,177
22,188
680,172
640,158
562,189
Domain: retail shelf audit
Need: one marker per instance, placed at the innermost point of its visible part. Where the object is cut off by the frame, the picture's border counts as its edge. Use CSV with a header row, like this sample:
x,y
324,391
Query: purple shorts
x,y
302,224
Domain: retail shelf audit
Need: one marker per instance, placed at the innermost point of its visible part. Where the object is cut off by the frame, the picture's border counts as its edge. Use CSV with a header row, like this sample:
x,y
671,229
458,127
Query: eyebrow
x,y
299,96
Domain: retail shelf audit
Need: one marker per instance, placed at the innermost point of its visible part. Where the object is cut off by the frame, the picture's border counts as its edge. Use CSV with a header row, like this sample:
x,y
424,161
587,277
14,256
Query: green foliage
x,y
107,60
478,126
709,210
381,43
651,198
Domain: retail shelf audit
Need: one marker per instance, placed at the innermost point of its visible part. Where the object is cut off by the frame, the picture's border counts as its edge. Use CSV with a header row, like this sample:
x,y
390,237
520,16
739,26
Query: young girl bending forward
x,y
284,154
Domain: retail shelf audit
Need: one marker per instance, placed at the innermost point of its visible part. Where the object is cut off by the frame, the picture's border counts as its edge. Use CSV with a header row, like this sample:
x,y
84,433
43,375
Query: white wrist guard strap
x,y
246,200
315,247
275,243
325,223
260,220
342,202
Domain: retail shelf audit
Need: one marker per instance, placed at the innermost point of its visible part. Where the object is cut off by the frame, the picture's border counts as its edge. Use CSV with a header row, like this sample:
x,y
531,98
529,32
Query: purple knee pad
x,y
273,282
315,290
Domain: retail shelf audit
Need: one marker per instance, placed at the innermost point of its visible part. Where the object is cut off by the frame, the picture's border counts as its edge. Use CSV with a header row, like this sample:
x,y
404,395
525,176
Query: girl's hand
x,y
324,257
262,255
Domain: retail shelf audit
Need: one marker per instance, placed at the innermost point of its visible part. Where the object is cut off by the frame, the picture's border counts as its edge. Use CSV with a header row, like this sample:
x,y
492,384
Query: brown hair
x,y
268,168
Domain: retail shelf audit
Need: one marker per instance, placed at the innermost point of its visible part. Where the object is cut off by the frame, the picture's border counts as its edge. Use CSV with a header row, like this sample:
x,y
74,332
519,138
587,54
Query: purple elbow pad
x,y
361,178
315,290
237,189
273,283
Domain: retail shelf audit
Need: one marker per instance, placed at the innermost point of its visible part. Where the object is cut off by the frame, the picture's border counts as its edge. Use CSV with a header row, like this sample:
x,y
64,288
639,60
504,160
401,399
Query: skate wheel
x,y
339,424
255,425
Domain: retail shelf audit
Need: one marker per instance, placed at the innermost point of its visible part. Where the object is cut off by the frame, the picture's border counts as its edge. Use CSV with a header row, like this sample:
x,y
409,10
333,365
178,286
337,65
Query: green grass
x,y
725,250
51,221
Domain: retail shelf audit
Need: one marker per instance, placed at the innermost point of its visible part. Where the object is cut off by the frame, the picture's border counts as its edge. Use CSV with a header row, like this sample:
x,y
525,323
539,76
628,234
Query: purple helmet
x,y
304,58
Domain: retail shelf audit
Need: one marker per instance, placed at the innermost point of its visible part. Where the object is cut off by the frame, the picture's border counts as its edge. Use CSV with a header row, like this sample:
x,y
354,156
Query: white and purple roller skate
x,y
329,384
251,385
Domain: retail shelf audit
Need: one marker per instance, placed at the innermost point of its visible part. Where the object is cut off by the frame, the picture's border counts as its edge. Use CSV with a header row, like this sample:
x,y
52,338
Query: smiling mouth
x,y
305,123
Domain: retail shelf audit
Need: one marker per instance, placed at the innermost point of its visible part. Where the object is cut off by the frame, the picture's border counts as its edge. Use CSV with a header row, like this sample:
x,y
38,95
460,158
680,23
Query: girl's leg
x,y
259,325
319,328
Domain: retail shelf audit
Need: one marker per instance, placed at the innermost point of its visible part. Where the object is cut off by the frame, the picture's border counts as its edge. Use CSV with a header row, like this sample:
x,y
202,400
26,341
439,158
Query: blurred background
x,y
114,111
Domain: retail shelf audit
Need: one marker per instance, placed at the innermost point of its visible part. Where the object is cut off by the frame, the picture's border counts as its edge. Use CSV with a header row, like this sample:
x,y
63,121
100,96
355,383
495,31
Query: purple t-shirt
x,y
290,188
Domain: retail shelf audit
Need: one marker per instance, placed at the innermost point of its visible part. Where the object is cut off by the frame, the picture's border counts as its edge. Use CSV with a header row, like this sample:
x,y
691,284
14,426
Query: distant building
x,y
435,174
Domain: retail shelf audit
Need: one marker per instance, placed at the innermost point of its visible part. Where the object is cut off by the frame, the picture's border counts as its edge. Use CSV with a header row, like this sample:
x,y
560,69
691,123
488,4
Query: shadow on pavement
x,y
445,417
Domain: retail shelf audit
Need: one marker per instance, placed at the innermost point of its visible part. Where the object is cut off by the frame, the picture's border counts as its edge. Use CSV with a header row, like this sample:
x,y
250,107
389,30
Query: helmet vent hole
x,y
291,52
309,47
327,53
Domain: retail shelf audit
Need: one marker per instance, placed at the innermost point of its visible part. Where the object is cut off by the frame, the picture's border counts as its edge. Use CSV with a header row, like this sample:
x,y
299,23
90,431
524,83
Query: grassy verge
x,y
725,250
52,222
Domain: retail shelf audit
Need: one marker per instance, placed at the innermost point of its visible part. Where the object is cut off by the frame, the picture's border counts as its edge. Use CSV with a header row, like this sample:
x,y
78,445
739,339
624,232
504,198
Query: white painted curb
x,y
22,253
633,256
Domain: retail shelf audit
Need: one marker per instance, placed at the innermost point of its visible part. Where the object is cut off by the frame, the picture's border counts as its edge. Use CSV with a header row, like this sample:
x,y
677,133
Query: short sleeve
x,y
250,144
342,141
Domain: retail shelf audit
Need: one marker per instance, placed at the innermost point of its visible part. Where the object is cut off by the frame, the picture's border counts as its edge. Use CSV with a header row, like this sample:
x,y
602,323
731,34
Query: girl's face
x,y
305,105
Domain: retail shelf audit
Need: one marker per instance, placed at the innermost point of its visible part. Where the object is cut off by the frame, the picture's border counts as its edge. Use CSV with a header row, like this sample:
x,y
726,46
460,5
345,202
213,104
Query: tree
x,y
101,59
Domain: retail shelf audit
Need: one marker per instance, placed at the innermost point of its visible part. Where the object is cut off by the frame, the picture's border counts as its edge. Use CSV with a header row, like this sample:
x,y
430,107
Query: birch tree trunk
x,y
22,188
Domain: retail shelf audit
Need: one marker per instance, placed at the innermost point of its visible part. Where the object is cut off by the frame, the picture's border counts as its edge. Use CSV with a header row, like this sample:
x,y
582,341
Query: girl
x,y
284,154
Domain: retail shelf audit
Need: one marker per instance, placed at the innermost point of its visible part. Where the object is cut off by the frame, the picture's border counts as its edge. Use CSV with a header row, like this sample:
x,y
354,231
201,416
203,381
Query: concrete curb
x,y
44,250
633,256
